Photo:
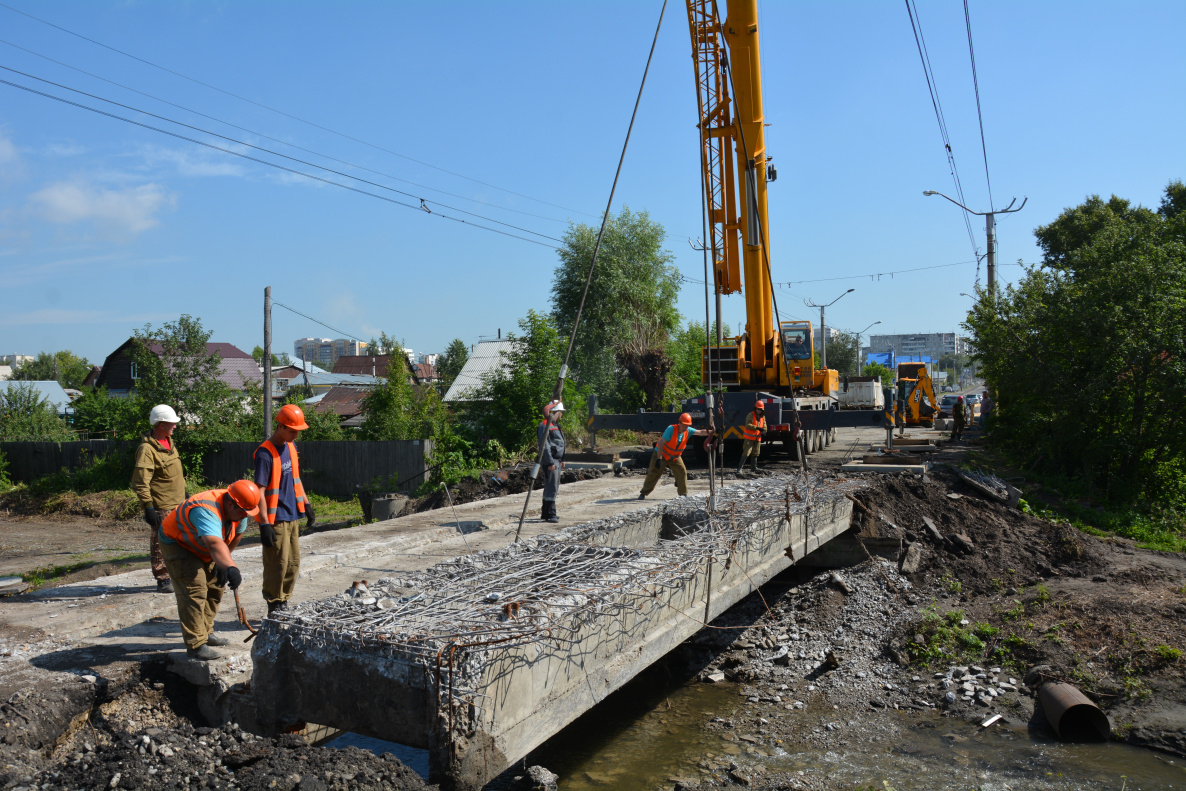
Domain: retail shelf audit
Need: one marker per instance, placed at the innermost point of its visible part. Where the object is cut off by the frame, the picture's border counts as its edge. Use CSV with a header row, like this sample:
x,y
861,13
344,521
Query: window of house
x,y
135,371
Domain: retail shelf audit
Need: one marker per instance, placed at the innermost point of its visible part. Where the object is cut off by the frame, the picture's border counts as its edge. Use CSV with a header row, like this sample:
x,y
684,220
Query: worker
x,y
985,408
197,539
551,456
669,455
796,346
959,417
278,474
159,483
752,434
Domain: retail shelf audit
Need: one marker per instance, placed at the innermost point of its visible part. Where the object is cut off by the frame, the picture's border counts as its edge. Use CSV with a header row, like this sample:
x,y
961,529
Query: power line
x,y
341,333
288,115
422,207
873,276
979,115
933,88
276,153
269,137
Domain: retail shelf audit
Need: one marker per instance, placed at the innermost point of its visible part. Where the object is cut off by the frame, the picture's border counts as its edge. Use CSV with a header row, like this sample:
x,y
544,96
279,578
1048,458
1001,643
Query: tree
x,y
402,410
64,367
509,403
879,370
451,362
629,313
27,415
278,360
1086,355
386,344
101,415
843,353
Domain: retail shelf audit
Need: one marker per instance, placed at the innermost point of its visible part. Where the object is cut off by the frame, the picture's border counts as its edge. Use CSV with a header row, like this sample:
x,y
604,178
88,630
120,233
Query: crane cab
x,y
798,344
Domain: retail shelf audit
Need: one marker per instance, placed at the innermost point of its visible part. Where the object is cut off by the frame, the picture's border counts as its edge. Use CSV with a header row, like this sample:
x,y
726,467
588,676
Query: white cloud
x,y
8,155
194,163
131,210
64,150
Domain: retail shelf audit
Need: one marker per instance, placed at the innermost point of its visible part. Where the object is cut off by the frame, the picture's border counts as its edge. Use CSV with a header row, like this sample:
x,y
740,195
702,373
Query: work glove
x,y
310,516
228,576
267,535
153,518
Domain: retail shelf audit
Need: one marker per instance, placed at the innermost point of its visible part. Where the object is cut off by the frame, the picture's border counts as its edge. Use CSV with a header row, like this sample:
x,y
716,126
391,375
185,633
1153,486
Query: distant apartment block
x,y
326,351
15,359
930,344
430,359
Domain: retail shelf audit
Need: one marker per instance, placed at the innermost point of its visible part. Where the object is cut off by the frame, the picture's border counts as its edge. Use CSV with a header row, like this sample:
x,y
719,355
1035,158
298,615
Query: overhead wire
x,y
341,333
979,114
269,137
286,114
423,207
872,276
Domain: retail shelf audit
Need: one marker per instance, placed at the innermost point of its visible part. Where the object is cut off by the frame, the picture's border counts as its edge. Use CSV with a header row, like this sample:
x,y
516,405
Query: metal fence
x,y
333,468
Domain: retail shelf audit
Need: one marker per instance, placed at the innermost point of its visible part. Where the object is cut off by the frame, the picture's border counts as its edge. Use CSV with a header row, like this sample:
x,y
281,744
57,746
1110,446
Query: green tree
x,y
629,313
508,405
64,367
686,350
451,362
385,344
101,415
877,369
27,415
323,426
843,353
1086,355
402,410
278,360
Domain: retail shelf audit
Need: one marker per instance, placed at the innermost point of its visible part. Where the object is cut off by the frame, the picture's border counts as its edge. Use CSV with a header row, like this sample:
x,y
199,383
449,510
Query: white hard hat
x,y
162,413
558,406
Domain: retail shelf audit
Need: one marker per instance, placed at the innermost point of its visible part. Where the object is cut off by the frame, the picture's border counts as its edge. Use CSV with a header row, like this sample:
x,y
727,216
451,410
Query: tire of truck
x,y
792,449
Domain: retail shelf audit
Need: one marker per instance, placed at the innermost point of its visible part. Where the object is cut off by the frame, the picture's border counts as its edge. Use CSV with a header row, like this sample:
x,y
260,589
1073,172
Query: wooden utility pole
x,y
267,362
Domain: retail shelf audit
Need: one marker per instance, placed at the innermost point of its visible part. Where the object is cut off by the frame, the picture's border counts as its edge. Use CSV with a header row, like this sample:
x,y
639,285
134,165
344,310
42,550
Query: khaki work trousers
x,y
282,563
155,558
749,448
197,594
655,471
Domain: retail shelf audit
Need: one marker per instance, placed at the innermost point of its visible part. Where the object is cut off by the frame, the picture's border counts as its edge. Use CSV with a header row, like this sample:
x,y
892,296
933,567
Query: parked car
x,y
947,404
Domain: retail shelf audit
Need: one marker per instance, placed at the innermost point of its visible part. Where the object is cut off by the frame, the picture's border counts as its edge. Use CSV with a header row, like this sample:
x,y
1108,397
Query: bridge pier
x,y
482,658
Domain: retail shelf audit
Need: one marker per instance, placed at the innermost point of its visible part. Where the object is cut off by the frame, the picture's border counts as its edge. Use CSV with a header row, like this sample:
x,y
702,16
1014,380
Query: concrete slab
x,y
860,466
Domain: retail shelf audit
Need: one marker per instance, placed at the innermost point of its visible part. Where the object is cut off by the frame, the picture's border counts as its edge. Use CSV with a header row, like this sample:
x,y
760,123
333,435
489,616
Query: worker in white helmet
x,y
159,483
551,443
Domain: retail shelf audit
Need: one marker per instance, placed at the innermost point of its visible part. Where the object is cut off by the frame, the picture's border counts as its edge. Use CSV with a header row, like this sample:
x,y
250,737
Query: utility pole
x,y
990,229
823,330
860,360
267,362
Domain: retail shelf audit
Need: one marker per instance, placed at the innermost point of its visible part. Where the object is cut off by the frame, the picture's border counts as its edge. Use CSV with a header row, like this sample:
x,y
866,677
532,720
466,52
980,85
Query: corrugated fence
x,y
326,467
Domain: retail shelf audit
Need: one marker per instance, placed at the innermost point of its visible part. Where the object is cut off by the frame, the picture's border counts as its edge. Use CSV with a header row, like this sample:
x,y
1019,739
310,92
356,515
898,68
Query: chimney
x,y
500,333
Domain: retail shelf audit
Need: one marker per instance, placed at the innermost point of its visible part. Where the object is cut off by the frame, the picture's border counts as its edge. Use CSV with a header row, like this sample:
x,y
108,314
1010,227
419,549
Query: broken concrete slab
x,y
932,530
912,560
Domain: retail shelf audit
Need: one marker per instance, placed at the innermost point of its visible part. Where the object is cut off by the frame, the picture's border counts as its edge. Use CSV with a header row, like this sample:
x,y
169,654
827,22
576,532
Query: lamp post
x,y
990,228
823,330
859,358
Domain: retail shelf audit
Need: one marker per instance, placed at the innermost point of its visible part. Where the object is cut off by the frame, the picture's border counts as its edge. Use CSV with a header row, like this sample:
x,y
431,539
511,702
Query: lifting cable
x,y
559,391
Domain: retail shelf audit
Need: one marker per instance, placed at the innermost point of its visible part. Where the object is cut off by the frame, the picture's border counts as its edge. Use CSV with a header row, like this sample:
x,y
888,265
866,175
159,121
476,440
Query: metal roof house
x,y
486,357
51,391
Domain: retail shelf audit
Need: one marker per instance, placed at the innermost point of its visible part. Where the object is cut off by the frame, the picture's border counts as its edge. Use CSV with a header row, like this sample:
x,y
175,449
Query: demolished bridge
x,y
482,658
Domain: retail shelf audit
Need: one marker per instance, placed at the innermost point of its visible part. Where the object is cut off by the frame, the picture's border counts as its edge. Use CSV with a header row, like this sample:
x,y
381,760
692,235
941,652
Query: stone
x,y
537,778
932,531
963,543
715,678
912,559
949,697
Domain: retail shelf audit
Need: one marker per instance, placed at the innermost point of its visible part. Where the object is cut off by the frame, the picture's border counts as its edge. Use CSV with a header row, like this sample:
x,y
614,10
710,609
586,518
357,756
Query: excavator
x,y
774,365
917,405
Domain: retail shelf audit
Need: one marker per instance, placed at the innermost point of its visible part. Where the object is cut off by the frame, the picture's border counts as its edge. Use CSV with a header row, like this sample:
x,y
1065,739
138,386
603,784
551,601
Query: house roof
x,y
486,357
237,366
371,364
227,351
425,372
342,401
92,376
51,391
333,379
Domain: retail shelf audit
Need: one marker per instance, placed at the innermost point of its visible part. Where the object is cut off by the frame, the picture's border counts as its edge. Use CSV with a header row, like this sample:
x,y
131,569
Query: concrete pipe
x,y
1072,715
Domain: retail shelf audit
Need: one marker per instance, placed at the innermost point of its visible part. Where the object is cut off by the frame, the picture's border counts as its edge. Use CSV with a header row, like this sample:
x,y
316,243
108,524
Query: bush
x,y
27,415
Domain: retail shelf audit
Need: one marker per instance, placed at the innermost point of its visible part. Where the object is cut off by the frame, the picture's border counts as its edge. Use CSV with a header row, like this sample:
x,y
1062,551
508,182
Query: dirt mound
x,y
498,483
985,545
102,505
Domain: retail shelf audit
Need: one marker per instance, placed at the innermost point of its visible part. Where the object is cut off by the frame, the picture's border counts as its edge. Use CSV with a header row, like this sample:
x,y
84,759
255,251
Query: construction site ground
x,y
97,662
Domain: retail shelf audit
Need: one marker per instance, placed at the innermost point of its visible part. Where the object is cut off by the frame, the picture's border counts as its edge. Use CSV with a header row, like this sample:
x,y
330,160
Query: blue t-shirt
x,y
206,523
286,508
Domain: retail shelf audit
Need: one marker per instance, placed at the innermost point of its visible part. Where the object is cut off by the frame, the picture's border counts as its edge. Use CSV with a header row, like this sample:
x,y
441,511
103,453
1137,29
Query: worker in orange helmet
x,y
752,434
669,455
278,473
551,446
197,539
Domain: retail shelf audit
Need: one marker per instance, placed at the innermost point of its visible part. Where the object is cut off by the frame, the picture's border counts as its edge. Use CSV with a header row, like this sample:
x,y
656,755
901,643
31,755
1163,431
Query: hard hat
x,y
961,398
686,419
759,405
553,406
246,495
162,413
291,415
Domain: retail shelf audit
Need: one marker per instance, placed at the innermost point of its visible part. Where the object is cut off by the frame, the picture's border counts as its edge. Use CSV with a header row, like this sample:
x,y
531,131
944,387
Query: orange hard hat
x,y
759,405
291,415
246,495
686,419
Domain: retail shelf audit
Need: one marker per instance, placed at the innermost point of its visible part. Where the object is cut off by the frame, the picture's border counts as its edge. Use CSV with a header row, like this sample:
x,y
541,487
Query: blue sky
x,y
105,226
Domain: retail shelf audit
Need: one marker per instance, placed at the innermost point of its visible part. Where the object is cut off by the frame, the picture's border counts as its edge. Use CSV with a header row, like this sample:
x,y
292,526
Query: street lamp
x,y
990,227
823,330
859,358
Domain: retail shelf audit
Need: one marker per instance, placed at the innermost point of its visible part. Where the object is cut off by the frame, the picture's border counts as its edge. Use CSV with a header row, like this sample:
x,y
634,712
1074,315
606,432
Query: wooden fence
x,y
333,468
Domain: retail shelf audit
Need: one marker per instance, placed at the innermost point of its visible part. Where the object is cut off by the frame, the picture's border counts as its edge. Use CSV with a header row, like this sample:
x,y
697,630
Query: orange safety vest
x,y
179,527
674,447
754,434
272,493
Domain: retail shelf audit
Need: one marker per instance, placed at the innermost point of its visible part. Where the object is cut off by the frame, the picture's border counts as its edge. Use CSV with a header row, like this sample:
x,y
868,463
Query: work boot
x,y
553,518
738,470
203,652
755,468
642,497
274,606
216,640
164,586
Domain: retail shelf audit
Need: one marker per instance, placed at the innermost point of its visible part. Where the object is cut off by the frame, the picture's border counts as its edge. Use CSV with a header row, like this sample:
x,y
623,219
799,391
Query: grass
x,y
46,574
335,506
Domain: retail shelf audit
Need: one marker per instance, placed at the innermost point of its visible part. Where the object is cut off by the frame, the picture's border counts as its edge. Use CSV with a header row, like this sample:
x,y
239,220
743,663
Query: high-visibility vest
x,y
179,526
272,493
674,447
754,433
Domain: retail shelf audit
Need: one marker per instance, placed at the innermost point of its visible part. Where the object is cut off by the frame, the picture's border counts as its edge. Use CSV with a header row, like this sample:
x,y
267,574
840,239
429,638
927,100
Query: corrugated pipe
x,y
1072,715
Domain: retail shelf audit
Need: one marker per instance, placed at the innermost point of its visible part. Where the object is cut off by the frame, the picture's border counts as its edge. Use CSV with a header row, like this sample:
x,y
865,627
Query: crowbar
x,y
243,618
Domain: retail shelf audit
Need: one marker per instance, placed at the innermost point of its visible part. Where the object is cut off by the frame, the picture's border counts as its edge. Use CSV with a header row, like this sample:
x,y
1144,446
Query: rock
x,y
839,582
1037,674
964,543
537,779
949,697
932,531
912,559
715,678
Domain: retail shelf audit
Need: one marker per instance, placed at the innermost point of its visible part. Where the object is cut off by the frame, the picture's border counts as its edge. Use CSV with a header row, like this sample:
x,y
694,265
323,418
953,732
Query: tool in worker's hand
x,y
243,618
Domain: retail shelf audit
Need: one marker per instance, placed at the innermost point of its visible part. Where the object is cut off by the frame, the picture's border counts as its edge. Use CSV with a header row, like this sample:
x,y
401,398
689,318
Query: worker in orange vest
x,y
197,539
669,455
752,434
278,473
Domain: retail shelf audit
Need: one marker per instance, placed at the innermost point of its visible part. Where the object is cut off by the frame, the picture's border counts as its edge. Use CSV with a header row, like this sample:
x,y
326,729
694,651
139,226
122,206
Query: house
x,y
487,356
92,377
237,368
426,374
50,391
345,402
373,365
